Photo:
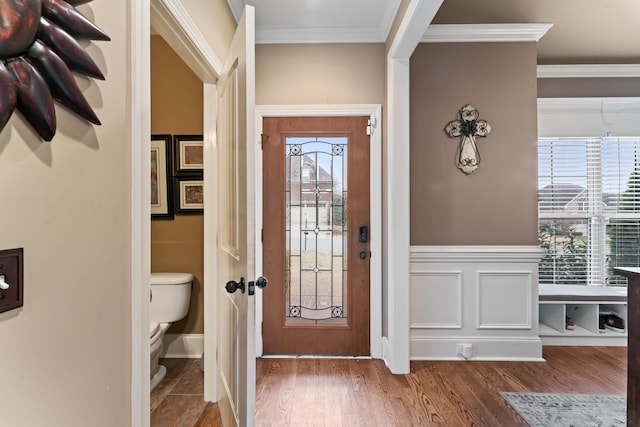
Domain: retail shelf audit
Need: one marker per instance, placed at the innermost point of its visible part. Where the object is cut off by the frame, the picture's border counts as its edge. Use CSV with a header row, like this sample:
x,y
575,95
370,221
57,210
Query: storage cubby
x,y
583,305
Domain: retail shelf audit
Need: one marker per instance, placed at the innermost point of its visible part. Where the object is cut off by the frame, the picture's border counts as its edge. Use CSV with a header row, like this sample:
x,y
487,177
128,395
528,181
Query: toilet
x,y
170,298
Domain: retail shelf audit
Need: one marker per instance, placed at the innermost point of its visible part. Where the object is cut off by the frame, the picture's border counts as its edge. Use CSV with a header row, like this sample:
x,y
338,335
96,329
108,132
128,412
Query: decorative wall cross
x,y
468,128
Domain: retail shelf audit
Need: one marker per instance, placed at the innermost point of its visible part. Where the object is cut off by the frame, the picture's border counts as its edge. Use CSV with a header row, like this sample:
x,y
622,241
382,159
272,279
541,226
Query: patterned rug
x,y
575,410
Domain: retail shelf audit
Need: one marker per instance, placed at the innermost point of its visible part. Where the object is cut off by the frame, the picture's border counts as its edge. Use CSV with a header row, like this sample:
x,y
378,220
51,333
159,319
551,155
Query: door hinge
x,y
262,234
263,140
371,125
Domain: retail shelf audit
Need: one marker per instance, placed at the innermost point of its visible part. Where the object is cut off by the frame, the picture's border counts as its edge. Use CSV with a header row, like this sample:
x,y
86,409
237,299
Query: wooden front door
x,y
316,235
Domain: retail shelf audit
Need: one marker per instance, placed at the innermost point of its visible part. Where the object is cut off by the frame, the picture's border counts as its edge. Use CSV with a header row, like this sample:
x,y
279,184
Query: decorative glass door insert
x,y
316,230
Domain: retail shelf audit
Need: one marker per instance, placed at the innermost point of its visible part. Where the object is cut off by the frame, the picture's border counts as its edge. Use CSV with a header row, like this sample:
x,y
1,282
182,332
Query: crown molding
x,y
588,71
469,33
265,35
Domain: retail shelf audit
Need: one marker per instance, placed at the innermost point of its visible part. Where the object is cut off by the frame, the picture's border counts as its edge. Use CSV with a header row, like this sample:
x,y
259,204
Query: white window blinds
x,y
621,204
588,209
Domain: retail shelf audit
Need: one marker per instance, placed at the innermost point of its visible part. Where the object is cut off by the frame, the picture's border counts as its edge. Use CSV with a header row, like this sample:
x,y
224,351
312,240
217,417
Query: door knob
x,y
233,286
260,282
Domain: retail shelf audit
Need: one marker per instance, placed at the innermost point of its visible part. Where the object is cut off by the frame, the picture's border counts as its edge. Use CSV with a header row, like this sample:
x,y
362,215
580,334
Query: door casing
x,y
375,187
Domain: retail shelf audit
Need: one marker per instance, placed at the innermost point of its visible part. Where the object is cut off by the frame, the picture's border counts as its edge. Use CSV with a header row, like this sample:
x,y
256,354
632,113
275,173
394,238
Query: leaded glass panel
x,y
316,226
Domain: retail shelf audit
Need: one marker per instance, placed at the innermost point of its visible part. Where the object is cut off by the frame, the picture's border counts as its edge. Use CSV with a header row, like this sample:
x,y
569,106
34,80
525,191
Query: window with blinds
x,y
588,209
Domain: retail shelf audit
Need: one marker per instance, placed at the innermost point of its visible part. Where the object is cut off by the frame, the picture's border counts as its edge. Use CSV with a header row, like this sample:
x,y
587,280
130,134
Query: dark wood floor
x,y
346,392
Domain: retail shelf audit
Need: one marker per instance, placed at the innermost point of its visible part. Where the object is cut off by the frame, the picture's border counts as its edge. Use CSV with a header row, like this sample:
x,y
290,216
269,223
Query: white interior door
x,y
236,236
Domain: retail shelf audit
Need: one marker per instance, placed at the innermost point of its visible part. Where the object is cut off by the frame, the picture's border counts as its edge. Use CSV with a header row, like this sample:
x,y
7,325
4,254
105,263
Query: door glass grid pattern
x,y
316,230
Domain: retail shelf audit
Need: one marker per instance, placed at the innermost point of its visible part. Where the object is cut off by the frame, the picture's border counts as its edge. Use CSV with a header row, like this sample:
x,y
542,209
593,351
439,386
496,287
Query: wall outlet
x,y
464,350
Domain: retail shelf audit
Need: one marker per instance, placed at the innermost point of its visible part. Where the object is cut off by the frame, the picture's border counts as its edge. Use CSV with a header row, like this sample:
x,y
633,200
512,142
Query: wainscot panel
x,y
475,303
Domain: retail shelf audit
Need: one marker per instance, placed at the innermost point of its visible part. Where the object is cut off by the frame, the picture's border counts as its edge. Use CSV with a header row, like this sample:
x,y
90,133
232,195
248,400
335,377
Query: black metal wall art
x,y
39,50
468,128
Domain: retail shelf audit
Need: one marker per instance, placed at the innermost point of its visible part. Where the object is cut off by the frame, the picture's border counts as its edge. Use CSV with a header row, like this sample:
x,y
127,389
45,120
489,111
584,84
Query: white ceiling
x,y
320,21
584,31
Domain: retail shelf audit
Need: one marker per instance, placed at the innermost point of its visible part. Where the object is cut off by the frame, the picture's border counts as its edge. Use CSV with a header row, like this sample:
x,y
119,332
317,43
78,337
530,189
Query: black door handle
x,y
233,286
260,282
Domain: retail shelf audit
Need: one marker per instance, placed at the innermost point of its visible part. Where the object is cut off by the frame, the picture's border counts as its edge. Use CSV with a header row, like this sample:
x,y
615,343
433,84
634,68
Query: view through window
x,y
588,209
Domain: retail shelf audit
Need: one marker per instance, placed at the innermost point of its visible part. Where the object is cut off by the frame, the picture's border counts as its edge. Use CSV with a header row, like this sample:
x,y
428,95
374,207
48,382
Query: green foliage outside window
x,y
565,257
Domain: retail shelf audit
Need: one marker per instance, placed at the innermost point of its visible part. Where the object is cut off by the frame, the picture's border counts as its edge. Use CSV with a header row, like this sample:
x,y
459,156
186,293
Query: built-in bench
x,y
583,306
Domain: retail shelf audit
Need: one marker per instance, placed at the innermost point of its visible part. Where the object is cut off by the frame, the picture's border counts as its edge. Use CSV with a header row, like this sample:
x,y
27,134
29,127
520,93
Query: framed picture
x,y
161,183
188,154
189,195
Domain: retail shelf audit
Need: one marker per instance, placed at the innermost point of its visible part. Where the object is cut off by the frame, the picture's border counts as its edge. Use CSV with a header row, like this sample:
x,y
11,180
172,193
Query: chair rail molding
x,y
476,253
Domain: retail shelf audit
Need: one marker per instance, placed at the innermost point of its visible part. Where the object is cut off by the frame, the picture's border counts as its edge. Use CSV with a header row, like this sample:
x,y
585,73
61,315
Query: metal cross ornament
x,y
468,128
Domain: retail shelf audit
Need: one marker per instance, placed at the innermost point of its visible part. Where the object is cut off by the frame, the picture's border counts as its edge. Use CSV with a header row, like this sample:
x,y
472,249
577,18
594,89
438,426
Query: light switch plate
x,y
11,270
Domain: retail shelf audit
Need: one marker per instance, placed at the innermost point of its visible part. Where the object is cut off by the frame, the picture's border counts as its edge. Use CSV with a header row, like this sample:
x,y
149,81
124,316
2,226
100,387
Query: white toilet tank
x,y
170,296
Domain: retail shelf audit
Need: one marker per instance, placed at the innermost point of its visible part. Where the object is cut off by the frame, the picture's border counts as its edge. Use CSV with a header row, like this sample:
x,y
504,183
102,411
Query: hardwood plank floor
x,y
304,392
355,392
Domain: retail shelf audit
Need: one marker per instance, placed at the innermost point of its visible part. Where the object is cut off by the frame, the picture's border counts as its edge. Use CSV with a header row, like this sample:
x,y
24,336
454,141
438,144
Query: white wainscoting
x,y
482,296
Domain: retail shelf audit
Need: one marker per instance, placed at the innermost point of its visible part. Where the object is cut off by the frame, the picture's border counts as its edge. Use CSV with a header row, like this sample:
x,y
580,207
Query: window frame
x,y
597,216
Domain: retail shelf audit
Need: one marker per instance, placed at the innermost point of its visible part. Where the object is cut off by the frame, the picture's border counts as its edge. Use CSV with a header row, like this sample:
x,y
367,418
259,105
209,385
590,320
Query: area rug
x,y
575,410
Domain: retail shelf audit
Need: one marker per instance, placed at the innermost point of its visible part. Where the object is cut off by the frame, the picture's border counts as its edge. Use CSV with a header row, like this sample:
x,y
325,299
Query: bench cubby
x,y
583,305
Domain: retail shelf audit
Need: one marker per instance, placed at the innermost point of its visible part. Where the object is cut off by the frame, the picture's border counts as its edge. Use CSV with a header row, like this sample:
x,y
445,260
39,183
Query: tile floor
x,y
178,401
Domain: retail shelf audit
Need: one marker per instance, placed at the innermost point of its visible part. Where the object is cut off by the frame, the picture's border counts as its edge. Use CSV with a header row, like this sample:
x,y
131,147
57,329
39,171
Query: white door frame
x,y
171,20
375,112
140,91
176,27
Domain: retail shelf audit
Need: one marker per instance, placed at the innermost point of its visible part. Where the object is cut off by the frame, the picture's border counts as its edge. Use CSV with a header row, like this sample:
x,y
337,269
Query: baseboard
x,y
489,349
183,346
385,350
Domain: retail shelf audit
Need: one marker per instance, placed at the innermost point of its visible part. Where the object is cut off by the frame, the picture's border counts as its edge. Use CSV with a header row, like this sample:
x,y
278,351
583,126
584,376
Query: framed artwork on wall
x,y
189,194
161,183
188,154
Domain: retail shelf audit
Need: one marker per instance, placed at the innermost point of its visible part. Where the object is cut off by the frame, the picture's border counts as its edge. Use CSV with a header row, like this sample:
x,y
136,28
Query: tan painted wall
x,y
320,74
218,35
176,108
66,355
497,204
